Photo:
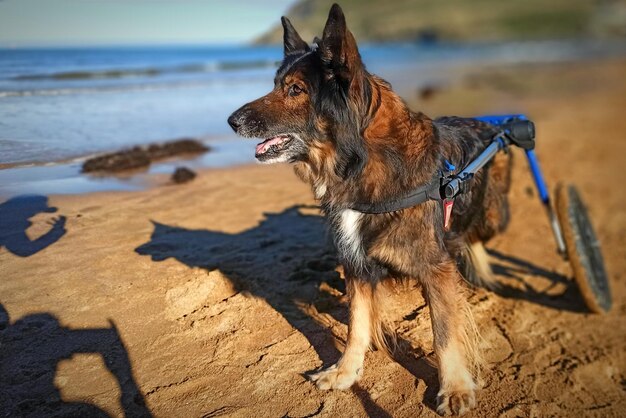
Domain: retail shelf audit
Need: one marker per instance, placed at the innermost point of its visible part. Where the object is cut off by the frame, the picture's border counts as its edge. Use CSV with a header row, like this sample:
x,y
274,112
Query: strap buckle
x,y
447,201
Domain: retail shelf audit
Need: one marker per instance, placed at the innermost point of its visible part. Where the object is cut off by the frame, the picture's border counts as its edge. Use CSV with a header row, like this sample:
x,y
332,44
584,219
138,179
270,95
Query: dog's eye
x,y
295,90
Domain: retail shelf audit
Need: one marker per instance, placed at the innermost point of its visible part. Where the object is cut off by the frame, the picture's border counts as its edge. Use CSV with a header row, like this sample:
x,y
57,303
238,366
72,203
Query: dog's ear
x,y
349,90
338,49
293,43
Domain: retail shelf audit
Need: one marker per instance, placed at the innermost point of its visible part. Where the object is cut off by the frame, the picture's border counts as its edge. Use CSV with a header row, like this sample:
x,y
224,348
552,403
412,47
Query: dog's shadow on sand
x,y
288,260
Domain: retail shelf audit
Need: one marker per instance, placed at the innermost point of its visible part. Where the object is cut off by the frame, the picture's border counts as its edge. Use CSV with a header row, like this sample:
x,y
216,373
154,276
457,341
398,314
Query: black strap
x,y
424,193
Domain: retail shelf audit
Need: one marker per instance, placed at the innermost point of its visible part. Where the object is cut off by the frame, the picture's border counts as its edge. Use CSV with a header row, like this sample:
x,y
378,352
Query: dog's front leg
x,y
350,366
454,340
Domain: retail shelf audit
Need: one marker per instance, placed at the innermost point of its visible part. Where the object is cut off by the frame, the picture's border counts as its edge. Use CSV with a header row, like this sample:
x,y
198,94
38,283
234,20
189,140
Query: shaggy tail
x,y
476,267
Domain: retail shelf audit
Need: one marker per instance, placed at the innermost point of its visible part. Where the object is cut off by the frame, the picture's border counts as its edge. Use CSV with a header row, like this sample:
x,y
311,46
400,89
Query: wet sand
x,y
213,298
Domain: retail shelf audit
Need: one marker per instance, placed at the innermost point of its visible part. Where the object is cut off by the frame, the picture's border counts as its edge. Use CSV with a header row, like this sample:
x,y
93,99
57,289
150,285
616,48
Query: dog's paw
x,y
455,402
335,377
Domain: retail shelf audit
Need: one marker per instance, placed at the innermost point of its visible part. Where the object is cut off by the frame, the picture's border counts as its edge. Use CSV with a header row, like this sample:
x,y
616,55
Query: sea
x,y
61,105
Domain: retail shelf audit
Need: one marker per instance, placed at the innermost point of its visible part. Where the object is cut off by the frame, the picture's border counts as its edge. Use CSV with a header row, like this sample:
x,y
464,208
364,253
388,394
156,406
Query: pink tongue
x,y
263,146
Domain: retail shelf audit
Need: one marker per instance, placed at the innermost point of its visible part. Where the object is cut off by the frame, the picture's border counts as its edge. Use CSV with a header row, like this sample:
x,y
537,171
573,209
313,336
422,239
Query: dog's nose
x,y
234,122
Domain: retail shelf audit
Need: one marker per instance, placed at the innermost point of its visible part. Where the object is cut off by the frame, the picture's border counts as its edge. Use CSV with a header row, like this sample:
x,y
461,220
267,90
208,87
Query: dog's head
x,y
319,102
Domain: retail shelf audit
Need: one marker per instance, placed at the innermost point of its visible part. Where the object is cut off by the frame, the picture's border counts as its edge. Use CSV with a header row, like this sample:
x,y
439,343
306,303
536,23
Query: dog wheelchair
x,y
575,238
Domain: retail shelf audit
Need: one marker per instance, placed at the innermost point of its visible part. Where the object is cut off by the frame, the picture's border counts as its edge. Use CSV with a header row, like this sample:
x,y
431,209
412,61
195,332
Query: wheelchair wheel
x,y
583,250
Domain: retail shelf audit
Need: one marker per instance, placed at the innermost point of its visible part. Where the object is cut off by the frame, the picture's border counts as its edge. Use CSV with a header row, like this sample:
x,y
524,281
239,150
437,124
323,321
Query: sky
x,y
135,22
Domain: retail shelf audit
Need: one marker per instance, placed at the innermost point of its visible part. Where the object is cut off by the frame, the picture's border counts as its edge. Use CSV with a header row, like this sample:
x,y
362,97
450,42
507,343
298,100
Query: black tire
x,y
583,250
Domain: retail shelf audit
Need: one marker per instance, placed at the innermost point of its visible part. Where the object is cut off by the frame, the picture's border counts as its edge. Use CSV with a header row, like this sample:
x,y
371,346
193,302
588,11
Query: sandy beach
x,y
215,297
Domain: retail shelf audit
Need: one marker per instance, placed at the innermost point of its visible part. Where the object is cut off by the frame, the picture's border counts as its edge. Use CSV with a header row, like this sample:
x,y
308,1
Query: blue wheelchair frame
x,y
501,142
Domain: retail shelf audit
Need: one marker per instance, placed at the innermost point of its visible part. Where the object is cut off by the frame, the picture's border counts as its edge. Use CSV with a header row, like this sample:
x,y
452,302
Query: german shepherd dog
x,y
354,140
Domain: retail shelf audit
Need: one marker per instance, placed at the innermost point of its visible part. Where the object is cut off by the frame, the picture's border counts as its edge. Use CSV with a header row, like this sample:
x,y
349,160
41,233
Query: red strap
x,y
447,213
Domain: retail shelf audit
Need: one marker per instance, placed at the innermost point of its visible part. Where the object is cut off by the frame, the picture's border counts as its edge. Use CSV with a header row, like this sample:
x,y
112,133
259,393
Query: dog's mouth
x,y
273,147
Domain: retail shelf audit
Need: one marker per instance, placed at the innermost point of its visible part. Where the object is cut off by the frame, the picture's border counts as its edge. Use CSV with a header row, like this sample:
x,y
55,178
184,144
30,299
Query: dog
x,y
355,141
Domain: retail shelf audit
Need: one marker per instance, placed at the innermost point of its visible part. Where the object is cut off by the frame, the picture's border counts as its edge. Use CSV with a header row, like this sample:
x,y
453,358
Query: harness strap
x,y
424,193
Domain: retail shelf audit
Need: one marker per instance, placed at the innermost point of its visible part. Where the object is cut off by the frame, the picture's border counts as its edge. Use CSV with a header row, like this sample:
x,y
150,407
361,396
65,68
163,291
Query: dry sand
x,y
213,298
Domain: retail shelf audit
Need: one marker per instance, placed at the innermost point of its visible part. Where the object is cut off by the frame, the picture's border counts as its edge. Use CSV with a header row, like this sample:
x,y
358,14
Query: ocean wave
x,y
164,85
148,71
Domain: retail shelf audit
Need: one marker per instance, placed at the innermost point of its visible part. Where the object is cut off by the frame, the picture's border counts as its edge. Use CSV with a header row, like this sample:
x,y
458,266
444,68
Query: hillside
x,y
394,20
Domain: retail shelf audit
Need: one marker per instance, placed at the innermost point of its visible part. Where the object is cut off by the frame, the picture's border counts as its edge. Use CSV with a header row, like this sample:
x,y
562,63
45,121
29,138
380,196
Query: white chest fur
x,y
349,237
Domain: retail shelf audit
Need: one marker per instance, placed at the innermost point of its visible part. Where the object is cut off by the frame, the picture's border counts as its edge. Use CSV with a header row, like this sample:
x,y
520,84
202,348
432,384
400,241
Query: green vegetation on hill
x,y
393,20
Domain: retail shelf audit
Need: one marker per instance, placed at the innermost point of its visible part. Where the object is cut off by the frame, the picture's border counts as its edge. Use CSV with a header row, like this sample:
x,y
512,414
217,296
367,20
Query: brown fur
x,y
354,140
